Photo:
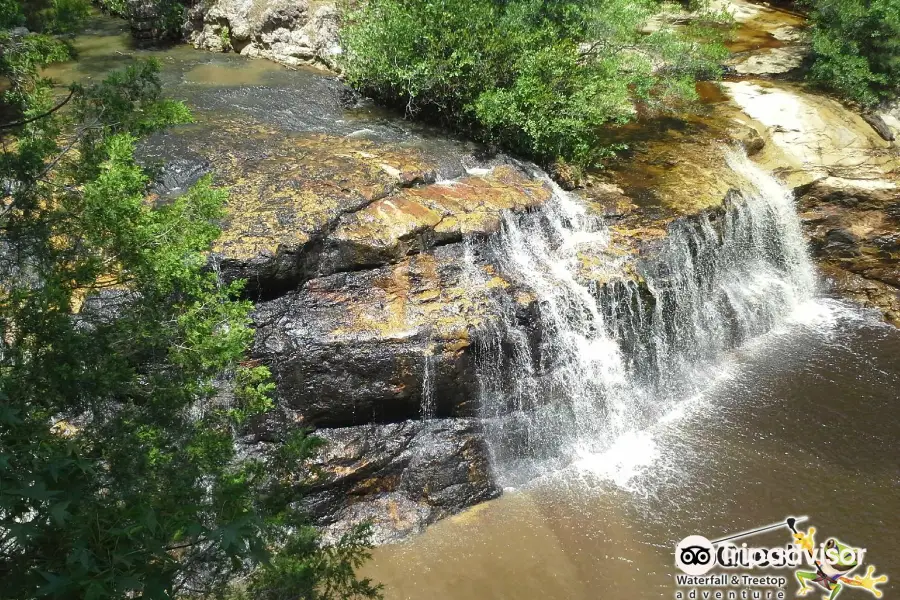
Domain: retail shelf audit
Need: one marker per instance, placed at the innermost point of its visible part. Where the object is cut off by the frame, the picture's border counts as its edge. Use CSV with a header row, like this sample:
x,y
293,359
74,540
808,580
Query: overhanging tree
x,y
119,469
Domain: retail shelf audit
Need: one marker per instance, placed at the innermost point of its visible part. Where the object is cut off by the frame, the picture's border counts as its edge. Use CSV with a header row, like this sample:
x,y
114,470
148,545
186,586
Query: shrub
x,y
114,7
856,47
538,78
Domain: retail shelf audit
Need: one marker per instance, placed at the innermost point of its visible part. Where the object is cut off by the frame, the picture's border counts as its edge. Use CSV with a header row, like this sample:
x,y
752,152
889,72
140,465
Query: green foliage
x,y
171,18
288,576
131,101
47,16
225,37
856,47
114,7
11,14
119,469
169,15
539,78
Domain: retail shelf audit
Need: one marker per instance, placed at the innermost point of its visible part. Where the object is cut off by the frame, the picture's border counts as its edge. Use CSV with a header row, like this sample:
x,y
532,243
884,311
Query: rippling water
x,y
804,421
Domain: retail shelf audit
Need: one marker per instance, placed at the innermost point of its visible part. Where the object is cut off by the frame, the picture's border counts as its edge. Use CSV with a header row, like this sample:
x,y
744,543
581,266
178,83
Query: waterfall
x,y
427,408
606,356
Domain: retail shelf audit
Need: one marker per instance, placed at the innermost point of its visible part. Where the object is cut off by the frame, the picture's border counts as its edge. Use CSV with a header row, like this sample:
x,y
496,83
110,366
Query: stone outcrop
x,y
379,345
845,174
292,32
371,295
144,17
844,168
771,61
768,41
889,114
812,136
400,476
854,226
374,292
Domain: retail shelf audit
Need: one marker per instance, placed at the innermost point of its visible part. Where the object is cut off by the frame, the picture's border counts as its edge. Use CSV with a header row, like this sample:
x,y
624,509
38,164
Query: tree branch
x,y
46,114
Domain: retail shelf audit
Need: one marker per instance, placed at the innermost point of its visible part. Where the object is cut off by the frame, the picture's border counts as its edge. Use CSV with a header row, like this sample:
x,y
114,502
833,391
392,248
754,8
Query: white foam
x,y
630,454
620,363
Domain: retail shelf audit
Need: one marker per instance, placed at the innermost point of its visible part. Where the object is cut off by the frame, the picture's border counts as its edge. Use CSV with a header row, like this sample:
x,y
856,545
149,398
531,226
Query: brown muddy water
x,y
804,421
106,45
756,33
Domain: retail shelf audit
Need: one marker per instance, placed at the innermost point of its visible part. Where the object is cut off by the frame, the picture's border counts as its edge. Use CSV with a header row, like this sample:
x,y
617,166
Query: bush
x,y
114,7
538,78
856,47
168,20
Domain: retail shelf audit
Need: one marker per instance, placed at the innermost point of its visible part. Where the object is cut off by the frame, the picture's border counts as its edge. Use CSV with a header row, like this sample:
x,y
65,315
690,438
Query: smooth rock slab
x,y
816,136
771,61
406,222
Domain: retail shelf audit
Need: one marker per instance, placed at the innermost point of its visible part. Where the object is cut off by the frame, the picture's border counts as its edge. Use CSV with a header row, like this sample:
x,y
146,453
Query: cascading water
x,y
607,358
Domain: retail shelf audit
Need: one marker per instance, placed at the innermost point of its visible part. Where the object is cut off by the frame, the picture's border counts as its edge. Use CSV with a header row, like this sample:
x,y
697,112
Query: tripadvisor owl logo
x,y
827,565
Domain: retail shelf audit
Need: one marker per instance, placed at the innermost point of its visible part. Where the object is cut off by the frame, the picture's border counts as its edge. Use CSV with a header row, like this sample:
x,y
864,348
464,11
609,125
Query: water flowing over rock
x,y
451,322
844,167
612,356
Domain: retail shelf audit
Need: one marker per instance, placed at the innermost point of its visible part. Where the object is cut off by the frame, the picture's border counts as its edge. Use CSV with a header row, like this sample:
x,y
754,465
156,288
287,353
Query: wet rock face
x,y
292,32
854,229
307,205
386,344
371,296
401,476
363,259
369,346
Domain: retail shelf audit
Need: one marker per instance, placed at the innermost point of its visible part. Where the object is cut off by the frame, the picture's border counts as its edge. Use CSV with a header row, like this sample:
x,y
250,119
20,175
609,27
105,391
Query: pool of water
x,y
803,422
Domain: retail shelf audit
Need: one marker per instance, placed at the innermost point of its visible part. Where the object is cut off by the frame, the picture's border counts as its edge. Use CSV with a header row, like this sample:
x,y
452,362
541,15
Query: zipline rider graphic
x,y
832,576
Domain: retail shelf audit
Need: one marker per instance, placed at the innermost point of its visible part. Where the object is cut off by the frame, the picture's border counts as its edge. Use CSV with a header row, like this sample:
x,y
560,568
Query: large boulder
x,y
383,344
400,477
292,32
854,229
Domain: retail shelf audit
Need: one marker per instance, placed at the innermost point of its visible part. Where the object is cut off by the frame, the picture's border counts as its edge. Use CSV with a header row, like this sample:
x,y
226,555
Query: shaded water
x,y
756,33
226,91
